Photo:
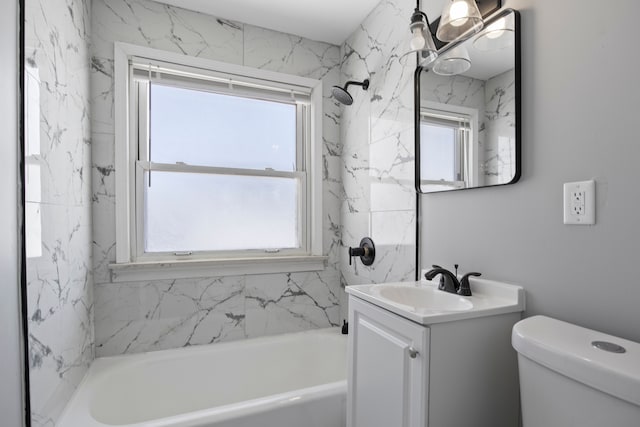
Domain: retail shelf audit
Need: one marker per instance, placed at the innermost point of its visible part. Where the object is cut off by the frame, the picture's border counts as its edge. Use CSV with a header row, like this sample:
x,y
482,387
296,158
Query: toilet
x,y
571,376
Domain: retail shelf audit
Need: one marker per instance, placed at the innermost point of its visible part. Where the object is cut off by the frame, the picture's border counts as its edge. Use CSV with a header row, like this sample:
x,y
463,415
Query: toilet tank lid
x,y
567,349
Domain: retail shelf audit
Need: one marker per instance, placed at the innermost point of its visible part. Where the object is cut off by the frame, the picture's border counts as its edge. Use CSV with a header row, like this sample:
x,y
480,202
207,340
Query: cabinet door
x,y
387,380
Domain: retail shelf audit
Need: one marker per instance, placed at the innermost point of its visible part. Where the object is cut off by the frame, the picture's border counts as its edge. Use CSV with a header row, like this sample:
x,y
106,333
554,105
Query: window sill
x,y
158,270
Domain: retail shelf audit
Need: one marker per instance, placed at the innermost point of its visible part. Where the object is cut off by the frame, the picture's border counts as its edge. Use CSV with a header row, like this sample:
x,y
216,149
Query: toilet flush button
x,y
609,346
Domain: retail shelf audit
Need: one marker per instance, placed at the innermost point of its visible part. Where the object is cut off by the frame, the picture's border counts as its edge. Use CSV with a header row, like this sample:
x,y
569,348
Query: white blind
x,y
445,118
143,69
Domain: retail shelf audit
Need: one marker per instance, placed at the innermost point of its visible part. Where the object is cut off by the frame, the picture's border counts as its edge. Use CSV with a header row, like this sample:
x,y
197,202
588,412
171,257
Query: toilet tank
x,y
566,381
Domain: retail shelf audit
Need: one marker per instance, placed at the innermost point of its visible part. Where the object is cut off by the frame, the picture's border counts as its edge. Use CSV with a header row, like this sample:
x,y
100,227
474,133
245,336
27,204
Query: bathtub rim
x,y
78,410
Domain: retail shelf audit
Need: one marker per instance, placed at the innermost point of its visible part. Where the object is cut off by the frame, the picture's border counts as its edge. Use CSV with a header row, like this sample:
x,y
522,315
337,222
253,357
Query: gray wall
x,y
579,121
11,406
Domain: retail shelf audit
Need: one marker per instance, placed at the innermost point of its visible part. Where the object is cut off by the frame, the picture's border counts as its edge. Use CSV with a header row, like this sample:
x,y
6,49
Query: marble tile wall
x,y
378,154
152,315
143,316
500,112
58,202
367,177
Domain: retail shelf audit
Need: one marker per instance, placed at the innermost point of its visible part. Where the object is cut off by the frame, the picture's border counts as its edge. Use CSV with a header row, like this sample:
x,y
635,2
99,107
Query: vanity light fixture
x,y
459,17
421,40
453,62
498,35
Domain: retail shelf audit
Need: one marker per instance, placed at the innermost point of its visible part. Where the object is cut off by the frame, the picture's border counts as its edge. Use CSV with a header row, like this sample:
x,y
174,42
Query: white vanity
x,y
421,357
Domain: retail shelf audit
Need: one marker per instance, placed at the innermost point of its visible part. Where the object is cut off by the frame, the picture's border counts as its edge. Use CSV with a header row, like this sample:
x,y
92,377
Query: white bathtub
x,y
282,381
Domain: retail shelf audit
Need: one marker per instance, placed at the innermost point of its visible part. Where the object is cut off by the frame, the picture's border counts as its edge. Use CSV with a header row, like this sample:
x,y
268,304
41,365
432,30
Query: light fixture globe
x,y
421,40
459,17
498,35
453,62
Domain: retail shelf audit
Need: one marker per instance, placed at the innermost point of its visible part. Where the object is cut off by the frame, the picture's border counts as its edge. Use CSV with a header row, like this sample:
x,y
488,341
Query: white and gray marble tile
x,y
378,154
393,233
499,151
271,50
59,279
123,323
456,90
293,302
104,203
356,179
102,108
356,225
392,158
60,306
157,25
375,49
148,316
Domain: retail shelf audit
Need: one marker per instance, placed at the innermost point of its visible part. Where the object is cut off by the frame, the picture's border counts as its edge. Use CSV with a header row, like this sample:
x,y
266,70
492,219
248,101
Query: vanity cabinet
x,y
388,370
459,373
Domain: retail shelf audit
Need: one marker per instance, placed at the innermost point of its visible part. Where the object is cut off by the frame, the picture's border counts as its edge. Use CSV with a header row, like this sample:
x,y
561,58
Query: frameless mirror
x,y
468,111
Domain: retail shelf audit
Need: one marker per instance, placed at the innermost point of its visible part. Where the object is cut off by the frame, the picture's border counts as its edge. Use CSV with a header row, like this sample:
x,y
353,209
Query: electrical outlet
x,y
579,203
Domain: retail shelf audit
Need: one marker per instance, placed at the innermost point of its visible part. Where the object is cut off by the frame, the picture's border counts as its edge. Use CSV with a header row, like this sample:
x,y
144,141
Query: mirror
x,y
468,111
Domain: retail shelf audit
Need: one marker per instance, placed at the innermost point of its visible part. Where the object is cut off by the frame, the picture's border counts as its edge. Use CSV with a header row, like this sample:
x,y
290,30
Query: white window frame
x,y
130,263
472,175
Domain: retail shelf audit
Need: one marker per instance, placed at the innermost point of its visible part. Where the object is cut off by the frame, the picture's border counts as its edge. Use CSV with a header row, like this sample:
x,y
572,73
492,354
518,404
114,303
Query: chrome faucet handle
x,y
465,289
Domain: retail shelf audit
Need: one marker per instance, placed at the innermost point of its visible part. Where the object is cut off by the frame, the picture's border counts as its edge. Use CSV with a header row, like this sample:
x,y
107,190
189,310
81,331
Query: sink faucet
x,y
449,281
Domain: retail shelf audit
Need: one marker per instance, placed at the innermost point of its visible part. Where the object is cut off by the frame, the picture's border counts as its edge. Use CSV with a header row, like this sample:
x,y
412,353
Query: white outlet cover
x,y
580,197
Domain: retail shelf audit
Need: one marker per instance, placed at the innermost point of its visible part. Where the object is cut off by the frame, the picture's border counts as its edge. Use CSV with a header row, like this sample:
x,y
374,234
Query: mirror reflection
x,y
467,135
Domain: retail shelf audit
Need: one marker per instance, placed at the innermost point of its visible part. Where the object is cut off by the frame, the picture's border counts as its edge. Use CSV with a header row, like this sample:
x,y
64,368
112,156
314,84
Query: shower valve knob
x,y
366,251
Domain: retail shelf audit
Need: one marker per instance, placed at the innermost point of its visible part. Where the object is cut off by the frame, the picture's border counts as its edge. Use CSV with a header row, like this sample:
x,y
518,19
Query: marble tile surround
x,y
144,316
368,189
378,154
500,112
58,203
139,316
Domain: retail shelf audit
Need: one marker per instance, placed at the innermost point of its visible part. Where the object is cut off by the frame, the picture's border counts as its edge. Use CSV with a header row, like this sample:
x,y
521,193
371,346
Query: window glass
x,y
440,144
197,127
210,212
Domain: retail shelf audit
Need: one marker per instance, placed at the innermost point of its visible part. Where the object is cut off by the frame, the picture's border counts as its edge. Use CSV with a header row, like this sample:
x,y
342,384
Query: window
x,y
446,148
223,165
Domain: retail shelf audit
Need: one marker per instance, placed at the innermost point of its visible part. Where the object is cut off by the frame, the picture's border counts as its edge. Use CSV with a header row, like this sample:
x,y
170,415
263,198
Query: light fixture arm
x,y
421,41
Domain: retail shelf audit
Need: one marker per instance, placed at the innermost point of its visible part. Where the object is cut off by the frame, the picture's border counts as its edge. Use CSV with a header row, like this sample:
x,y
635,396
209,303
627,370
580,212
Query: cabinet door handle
x,y
413,352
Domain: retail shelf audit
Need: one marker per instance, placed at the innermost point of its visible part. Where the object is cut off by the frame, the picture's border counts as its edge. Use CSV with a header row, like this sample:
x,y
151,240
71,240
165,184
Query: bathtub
x,y
289,380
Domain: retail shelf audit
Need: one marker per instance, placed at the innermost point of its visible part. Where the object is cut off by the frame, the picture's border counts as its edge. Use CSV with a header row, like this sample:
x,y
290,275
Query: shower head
x,y
343,96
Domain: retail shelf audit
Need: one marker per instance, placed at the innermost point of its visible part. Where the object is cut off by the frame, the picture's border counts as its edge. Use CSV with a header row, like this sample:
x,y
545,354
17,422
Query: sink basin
x,y
424,303
426,298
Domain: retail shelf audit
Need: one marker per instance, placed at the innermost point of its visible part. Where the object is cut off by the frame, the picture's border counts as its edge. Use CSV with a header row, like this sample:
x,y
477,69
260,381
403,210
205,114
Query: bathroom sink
x,y
424,303
423,297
